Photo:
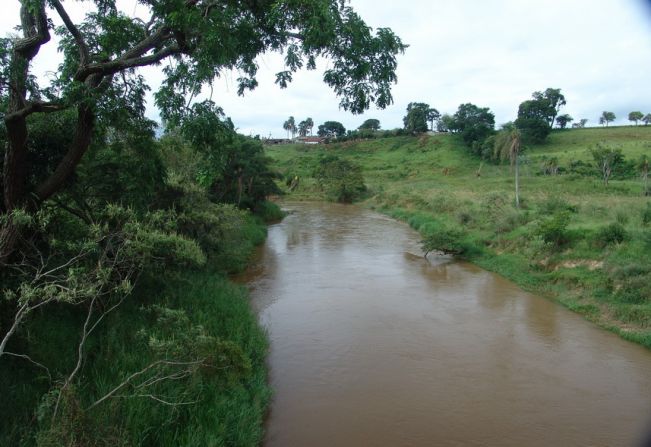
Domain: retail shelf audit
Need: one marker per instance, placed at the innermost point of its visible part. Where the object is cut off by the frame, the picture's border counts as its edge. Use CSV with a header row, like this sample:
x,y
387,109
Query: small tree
x,y
647,119
606,117
635,116
564,120
606,160
508,145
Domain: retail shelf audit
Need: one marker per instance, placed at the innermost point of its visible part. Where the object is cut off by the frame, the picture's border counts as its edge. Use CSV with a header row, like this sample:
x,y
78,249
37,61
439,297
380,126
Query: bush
x,y
554,229
446,240
614,233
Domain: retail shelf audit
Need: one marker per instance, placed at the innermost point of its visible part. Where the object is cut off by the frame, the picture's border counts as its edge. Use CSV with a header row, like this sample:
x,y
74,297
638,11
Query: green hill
x,y
573,240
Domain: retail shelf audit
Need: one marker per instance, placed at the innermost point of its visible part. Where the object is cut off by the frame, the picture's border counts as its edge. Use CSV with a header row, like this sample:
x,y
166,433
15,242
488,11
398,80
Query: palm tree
x,y
310,124
508,144
290,126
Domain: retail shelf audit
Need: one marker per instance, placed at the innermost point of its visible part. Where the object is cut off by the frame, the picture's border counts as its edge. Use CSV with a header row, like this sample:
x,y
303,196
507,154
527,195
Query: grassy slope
x,y
405,177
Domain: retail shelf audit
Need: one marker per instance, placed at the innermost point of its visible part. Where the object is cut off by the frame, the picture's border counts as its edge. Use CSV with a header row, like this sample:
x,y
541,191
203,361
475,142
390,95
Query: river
x,y
372,345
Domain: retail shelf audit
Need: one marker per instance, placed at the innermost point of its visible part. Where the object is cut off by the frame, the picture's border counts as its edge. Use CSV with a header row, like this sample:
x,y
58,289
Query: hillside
x,y
573,240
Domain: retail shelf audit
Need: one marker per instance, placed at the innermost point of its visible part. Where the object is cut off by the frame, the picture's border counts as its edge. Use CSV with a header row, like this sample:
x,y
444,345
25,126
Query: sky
x,y
493,53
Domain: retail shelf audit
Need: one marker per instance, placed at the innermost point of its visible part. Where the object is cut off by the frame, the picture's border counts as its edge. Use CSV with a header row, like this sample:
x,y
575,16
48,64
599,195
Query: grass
x,y
432,183
187,315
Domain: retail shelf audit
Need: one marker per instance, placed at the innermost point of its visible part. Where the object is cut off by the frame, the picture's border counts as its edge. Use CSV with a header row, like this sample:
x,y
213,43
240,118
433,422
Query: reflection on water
x,y
373,345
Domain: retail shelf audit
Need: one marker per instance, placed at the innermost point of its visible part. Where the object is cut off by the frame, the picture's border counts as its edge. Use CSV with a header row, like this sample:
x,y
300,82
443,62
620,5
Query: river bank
x,y
573,240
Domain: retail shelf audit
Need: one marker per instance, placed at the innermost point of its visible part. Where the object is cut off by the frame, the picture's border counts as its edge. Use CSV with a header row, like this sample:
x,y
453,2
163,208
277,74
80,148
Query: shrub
x,y
622,218
446,240
613,233
553,230
554,204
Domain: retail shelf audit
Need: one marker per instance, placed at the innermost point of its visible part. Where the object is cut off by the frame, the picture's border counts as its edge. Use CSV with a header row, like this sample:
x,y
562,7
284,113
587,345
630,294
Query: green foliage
x,y
564,120
331,129
635,116
553,229
340,179
370,124
418,115
606,117
474,124
613,233
607,159
536,116
446,240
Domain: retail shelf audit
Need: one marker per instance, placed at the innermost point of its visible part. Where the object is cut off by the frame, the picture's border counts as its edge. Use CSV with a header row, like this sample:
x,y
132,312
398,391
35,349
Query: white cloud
x,y
491,53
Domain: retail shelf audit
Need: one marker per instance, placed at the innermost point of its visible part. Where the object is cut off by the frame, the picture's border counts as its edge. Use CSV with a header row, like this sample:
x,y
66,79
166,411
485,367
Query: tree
x,y
290,126
331,129
647,119
606,117
583,122
564,120
445,123
606,159
195,40
370,124
508,145
536,116
303,128
554,100
475,124
635,116
418,115
310,124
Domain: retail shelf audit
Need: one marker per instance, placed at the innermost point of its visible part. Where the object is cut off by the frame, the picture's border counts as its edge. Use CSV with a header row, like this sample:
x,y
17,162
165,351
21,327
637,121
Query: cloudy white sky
x,y
493,53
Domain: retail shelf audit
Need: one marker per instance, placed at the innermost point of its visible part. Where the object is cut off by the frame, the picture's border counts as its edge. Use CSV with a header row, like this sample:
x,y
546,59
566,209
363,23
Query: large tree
x,y
331,129
370,124
474,124
418,115
536,116
195,41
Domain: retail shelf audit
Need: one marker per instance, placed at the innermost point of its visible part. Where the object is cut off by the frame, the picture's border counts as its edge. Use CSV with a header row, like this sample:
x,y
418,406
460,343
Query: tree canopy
x,y
564,120
536,116
195,41
635,116
331,129
475,124
606,117
370,124
418,115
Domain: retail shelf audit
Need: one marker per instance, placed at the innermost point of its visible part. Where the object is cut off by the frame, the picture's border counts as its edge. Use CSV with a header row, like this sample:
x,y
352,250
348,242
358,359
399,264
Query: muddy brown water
x,y
372,345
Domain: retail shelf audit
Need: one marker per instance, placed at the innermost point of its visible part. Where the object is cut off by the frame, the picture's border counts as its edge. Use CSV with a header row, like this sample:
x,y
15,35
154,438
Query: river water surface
x,y
372,345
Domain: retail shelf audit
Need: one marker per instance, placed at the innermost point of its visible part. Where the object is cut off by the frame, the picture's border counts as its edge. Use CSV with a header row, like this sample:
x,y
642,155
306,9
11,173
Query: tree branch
x,y
76,34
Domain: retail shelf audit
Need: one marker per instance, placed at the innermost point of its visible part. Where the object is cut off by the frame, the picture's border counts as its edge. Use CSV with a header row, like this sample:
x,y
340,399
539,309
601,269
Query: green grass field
x,y
432,182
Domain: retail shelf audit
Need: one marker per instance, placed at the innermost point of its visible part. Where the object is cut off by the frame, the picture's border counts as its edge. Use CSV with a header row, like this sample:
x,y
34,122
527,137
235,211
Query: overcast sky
x,y
493,53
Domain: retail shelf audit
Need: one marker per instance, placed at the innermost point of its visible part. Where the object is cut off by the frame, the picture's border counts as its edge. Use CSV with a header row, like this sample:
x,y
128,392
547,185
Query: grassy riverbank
x,y
573,240
175,316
